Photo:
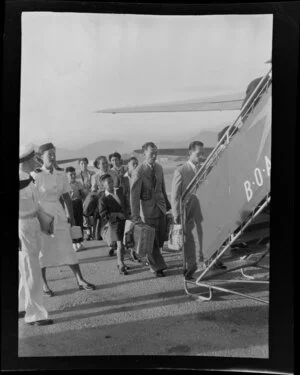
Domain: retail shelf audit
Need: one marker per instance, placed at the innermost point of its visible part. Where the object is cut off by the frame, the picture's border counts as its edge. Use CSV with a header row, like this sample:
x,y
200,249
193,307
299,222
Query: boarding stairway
x,y
232,189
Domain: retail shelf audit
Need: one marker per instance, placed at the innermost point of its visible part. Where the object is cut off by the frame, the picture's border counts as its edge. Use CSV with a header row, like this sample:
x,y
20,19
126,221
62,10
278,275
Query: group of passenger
x,y
137,193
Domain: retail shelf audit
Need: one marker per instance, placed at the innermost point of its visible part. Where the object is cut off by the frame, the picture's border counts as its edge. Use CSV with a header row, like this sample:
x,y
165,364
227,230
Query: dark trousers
x,y
78,216
155,259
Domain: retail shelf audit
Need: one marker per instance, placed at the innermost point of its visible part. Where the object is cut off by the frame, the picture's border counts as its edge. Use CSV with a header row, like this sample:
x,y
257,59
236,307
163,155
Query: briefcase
x,y
46,222
175,241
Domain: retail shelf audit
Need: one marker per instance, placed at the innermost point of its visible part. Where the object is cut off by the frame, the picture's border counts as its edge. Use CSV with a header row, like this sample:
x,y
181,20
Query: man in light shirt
x,y
193,227
183,175
31,304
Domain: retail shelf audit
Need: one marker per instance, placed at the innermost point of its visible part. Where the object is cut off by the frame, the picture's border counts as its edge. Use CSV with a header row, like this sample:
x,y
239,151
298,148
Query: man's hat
x,y
26,152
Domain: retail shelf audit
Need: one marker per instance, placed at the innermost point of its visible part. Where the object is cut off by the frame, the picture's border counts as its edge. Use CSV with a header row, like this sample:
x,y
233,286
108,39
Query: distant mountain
x,y
91,151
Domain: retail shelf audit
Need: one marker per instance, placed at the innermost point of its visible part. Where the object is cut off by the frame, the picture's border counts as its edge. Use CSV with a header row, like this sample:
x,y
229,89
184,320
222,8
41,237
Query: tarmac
x,y
140,314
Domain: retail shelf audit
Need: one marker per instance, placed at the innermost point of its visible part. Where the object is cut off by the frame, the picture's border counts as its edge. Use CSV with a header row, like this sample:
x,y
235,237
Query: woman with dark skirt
x,y
85,178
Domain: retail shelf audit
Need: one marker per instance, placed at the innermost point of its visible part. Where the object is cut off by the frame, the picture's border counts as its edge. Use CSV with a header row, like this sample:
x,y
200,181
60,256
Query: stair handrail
x,y
215,152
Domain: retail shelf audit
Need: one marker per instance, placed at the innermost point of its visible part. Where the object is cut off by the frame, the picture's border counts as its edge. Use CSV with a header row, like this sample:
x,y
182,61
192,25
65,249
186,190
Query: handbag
x,y
46,221
76,232
175,237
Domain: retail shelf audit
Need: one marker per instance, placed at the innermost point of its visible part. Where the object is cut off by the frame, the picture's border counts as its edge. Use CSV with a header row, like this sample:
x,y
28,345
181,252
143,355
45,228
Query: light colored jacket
x,y
153,202
183,175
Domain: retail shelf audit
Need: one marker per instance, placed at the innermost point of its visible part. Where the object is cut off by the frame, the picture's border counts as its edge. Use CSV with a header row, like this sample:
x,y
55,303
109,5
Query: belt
x,y
29,216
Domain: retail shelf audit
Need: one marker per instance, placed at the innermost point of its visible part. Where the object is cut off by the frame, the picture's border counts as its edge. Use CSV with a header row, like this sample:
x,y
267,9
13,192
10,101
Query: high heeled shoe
x,y
87,286
48,293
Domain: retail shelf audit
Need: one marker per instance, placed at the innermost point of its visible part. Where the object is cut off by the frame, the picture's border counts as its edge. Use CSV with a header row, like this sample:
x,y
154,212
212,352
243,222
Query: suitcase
x,y
175,237
143,237
139,237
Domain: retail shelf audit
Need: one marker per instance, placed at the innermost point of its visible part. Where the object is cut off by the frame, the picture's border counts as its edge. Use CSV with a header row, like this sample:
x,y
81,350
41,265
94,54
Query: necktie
x,y
153,177
24,183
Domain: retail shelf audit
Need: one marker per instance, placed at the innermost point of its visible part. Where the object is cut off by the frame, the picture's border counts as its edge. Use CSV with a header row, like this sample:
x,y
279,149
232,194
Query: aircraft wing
x,y
218,103
66,160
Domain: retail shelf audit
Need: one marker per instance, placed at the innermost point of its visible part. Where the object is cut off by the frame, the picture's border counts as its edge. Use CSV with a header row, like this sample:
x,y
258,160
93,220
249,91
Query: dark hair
x,y
133,158
45,147
98,159
106,176
83,159
70,169
232,131
195,144
114,154
148,144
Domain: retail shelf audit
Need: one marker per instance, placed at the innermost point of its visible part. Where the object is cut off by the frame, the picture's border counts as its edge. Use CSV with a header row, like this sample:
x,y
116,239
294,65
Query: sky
x,y
73,64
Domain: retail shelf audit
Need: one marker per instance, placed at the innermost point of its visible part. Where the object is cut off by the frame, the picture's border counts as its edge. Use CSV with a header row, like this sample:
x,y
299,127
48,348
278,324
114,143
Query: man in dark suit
x,y
149,203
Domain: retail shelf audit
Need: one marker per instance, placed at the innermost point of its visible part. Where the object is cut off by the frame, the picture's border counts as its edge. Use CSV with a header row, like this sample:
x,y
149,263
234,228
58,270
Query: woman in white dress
x,y
52,184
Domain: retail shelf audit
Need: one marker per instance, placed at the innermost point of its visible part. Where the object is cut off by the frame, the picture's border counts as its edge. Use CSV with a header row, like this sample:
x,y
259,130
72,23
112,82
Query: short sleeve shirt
x,y
51,185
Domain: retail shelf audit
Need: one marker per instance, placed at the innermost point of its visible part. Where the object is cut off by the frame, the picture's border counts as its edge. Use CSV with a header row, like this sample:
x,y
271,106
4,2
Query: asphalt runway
x,y
140,314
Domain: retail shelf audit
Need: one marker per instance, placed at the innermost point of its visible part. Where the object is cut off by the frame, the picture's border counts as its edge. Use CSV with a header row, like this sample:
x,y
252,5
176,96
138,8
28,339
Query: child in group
x,y
131,166
112,208
77,194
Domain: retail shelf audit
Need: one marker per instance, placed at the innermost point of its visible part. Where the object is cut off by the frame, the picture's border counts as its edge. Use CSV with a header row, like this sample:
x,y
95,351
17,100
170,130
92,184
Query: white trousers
x,y
31,284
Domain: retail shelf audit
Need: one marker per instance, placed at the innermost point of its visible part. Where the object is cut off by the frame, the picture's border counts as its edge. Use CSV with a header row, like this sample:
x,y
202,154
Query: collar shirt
x,y
194,167
51,185
86,179
76,187
150,166
107,193
28,197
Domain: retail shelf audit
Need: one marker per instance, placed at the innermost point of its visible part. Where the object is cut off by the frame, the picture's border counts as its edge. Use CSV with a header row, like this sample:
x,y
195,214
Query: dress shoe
x,y
44,322
189,277
111,252
159,274
219,266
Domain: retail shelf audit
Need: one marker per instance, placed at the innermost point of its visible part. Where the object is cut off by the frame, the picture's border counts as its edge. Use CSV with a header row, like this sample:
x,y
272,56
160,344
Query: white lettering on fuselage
x,y
258,177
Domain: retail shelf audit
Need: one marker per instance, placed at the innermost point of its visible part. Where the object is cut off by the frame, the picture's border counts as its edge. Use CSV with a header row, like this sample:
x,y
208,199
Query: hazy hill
x,y
91,151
